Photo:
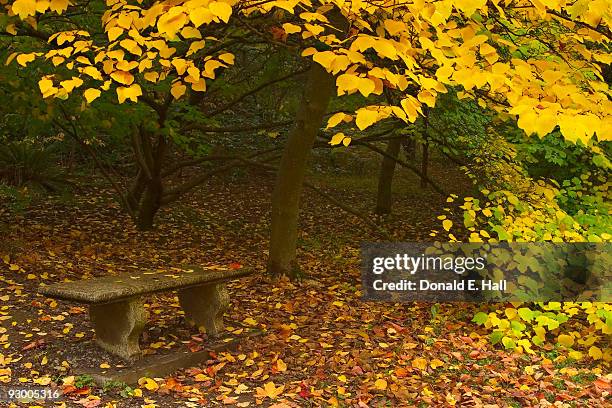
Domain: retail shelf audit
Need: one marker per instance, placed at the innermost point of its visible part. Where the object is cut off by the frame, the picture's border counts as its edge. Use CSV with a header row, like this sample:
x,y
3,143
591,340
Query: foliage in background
x,y
23,164
542,191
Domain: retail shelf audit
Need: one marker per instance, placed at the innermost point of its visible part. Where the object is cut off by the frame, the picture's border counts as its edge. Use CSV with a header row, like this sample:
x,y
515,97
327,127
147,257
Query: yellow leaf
x,y
92,72
540,332
148,383
221,10
595,353
280,365
470,6
447,224
349,83
151,76
201,378
419,363
131,46
23,59
394,27
200,15
250,321
228,58
104,365
11,29
385,48
566,340
124,65
178,89
269,390
325,59
123,77
335,119
24,8
366,118
576,355
190,32
435,363
58,6
132,93
171,22
291,28
380,384
180,65
199,86
444,72
195,47
510,313
70,84
42,381
337,139
209,68
113,33
346,141
412,107
428,98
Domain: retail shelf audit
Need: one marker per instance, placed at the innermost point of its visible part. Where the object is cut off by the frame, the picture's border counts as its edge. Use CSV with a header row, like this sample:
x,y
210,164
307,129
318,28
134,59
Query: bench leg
x,y
204,306
118,326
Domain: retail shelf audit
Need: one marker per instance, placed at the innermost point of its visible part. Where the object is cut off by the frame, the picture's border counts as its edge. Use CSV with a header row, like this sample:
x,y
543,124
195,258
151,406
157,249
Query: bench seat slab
x,y
204,306
118,326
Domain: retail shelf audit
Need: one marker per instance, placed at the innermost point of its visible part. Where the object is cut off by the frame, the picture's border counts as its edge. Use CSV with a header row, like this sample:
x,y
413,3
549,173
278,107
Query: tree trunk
x,y
150,204
410,146
384,197
424,164
145,195
288,189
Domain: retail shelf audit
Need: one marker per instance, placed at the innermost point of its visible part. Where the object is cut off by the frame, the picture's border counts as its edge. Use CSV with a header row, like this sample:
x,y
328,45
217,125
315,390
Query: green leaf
x,y
526,314
480,318
496,336
508,343
517,326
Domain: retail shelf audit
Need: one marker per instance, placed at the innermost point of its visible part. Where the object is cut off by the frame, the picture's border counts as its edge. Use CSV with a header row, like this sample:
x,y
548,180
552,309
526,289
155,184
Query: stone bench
x,y
116,308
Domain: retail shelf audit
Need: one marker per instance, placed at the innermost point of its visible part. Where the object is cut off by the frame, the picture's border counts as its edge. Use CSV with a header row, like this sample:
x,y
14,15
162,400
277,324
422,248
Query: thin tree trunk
x,y
384,197
409,145
150,204
424,164
152,199
288,189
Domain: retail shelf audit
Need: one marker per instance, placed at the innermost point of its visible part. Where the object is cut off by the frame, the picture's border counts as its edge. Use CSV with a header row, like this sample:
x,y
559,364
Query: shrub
x,y
24,164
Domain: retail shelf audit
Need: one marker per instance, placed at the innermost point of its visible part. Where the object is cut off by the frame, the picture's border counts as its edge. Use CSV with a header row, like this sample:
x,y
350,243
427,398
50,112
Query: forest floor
x,y
320,343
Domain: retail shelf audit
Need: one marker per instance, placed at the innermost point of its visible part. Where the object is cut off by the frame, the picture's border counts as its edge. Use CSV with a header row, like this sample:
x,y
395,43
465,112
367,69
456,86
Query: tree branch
x,y
255,90
236,129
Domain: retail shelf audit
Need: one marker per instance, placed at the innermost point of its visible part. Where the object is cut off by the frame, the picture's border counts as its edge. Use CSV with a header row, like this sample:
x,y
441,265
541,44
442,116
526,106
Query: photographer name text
x,y
455,285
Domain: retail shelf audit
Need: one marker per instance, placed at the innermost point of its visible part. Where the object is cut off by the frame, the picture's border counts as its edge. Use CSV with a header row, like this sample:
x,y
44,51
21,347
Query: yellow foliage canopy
x,y
485,49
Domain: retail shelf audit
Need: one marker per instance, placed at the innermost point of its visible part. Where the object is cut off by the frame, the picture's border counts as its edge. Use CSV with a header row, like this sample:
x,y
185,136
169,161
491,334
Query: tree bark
x,y
424,164
145,195
410,145
290,177
384,197
150,204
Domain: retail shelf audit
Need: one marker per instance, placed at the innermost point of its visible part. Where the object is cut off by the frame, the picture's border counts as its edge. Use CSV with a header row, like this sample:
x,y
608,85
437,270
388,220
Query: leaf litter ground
x,y
321,345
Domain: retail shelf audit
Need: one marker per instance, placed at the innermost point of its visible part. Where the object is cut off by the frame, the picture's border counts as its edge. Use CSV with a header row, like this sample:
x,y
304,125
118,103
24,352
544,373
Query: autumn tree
x,y
145,56
539,61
